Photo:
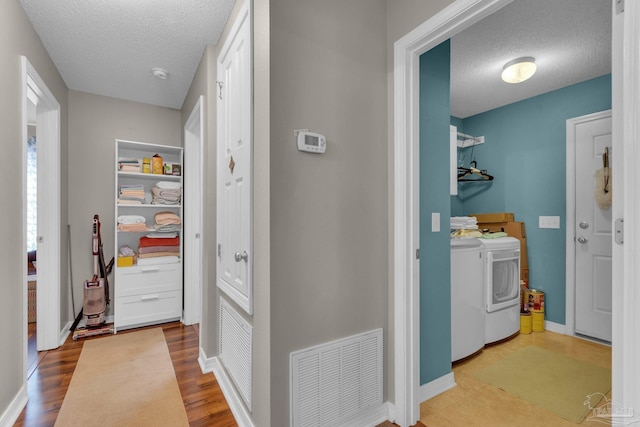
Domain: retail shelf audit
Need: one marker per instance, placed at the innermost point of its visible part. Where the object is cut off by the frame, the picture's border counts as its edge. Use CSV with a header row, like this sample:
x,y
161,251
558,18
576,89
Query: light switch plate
x,y
435,222
549,222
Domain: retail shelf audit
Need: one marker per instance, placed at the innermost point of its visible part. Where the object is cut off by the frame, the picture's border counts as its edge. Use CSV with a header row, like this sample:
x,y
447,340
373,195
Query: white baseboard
x,y
206,365
555,327
384,412
11,414
64,333
239,411
437,386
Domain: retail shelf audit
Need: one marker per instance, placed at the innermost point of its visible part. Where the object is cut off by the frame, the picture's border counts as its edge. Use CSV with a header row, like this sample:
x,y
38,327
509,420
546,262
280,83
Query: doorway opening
x,y
41,216
455,18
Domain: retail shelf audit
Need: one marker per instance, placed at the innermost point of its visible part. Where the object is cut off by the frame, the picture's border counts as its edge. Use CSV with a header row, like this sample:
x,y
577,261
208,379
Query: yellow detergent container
x,y
525,323
537,323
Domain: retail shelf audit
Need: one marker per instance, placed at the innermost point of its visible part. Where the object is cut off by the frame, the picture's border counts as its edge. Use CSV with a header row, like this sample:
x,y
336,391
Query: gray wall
x,y
329,247
95,122
17,37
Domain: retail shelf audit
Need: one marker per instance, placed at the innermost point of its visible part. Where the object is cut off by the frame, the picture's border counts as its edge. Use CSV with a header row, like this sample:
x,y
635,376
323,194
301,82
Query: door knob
x,y
581,239
584,225
242,256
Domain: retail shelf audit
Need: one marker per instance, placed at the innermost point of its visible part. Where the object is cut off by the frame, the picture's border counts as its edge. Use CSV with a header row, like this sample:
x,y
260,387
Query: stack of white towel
x,y
464,223
166,193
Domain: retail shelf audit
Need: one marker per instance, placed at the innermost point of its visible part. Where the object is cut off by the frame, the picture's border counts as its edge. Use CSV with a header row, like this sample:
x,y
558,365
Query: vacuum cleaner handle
x,y
95,235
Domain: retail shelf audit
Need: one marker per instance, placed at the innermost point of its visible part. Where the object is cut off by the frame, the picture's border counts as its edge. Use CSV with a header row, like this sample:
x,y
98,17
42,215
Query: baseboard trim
x,y
239,411
14,409
372,417
437,386
206,365
64,333
555,327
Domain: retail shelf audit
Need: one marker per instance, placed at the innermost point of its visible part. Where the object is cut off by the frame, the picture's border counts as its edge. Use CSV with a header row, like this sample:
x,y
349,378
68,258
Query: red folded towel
x,y
159,241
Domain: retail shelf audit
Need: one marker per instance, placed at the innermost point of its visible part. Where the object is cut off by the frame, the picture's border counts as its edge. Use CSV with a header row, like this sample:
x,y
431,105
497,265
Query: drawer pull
x,y
150,270
149,297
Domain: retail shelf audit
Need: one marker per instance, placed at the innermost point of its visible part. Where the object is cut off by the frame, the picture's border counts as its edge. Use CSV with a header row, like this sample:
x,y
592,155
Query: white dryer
x,y
467,302
501,287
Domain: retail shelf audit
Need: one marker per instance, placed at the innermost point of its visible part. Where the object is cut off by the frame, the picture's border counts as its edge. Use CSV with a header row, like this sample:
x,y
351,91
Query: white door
x,y
193,215
234,165
593,237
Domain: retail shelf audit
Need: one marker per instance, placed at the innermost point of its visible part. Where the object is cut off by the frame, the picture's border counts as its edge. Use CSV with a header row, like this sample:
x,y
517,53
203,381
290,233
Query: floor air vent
x,y
336,381
236,349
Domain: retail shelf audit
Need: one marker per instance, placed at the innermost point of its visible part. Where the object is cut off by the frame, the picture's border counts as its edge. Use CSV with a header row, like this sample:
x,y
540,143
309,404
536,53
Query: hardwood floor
x,y
202,397
51,372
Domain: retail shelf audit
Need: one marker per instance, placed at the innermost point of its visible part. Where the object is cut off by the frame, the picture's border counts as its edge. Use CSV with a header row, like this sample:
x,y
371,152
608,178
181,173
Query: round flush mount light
x,y
519,69
160,73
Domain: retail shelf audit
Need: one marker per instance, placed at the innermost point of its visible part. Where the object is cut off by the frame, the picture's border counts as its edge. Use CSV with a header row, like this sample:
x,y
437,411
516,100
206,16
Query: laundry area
x,y
489,282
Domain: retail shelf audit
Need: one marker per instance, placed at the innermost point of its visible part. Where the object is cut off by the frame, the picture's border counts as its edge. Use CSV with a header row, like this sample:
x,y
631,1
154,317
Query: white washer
x,y
467,302
502,287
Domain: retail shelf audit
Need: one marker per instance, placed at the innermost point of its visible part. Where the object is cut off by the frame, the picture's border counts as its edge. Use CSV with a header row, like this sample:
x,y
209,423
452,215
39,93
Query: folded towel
x,y
495,235
168,185
163,218
171,241
131,219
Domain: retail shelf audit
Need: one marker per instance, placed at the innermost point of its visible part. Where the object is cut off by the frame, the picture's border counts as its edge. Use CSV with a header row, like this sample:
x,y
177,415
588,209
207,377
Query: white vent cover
x,y
336,381
236,349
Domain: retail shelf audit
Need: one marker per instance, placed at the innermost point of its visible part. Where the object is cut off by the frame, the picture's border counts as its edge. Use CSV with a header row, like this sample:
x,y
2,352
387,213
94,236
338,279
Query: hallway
x,y
203,399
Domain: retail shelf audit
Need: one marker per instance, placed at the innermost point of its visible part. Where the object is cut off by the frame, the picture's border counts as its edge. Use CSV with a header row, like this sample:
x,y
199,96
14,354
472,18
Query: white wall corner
x,y
437,386
234,400
206,364
13,411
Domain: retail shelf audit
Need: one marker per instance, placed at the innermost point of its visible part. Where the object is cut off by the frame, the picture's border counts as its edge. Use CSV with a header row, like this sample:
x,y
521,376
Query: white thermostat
x,y
311,142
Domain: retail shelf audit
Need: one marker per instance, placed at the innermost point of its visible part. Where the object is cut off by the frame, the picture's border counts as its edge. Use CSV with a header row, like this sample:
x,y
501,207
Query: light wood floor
x,y
475,403
203,399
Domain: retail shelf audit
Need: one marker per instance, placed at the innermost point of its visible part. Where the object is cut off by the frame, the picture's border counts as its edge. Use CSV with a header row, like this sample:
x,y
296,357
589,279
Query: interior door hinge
x,y
219,250
619,6
417,253
619,231
220,86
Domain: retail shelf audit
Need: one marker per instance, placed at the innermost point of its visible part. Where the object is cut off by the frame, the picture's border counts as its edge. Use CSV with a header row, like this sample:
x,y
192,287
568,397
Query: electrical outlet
x,y
549,222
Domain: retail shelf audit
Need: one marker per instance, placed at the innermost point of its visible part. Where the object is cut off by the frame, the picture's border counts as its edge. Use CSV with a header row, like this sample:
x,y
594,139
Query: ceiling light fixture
x,y
160,73
519,69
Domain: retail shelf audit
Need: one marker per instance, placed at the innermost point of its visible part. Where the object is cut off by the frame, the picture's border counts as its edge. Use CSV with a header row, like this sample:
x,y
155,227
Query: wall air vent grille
x,y
336,381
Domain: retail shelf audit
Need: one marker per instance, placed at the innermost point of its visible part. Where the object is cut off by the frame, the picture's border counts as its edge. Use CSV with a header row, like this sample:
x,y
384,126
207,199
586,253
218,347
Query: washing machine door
x,y
502,279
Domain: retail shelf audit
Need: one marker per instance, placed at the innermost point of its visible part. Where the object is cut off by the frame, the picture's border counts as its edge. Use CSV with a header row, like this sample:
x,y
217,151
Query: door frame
x,y
626,107
570,223
34,89
194,237
454,18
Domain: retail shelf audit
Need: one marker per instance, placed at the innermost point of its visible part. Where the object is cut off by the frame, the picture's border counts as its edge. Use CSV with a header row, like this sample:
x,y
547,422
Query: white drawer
x,y
137,280
148,308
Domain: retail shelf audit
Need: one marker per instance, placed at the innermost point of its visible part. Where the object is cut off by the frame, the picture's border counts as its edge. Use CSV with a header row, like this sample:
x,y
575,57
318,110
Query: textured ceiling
x,y
109,47
570,39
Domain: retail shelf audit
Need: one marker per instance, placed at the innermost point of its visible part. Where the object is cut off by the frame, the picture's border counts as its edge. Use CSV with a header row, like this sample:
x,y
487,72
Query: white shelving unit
x,y
150,293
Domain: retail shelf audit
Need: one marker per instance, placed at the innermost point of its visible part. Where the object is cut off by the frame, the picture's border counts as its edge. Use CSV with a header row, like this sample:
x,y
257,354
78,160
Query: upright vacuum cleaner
x,y
96,292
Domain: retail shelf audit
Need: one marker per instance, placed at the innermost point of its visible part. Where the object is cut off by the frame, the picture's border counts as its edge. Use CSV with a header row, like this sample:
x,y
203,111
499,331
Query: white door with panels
x,y
593,227
234,165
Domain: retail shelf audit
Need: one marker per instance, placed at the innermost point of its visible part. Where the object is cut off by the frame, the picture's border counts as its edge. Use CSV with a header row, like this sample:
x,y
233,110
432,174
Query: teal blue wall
x,y
435,282
525,150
